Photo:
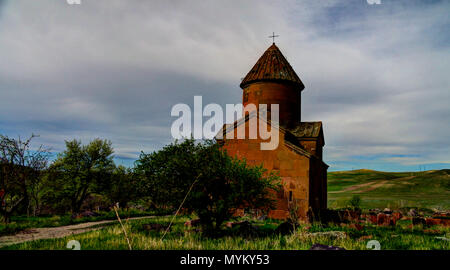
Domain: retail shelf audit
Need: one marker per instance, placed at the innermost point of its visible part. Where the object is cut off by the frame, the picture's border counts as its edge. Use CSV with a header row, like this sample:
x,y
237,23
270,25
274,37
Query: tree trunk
x,y
36,208
27,202
6,217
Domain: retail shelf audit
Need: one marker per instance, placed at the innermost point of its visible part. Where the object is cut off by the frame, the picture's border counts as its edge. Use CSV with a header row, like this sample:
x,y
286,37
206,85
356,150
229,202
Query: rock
x,y
443,218
397,215
429,231
371,218
154,227
350,215
382,219
445,222
239,213
442,238
192,223
413,213
432,221
418,221
356,226
331,234
388,219
391,219
325,247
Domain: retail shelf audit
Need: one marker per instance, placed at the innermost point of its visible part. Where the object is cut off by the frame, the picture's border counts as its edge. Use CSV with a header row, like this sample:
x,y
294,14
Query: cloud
x,y
376,75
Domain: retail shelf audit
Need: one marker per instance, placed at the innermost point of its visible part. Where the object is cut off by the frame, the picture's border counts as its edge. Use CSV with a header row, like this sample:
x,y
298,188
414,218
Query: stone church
x,y
298,157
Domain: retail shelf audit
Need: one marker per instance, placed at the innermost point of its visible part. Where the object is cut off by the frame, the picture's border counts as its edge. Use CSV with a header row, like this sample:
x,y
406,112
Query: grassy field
x,y
401,236
429,189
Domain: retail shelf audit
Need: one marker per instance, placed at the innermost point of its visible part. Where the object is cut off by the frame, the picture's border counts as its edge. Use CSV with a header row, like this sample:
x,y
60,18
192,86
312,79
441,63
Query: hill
x,y
428,189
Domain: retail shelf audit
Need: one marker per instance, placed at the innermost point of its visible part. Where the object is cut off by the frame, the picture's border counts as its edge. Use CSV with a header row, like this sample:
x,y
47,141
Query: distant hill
x,y
428,189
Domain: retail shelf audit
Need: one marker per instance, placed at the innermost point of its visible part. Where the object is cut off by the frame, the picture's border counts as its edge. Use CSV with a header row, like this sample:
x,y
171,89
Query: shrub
x,y
218,184
355,202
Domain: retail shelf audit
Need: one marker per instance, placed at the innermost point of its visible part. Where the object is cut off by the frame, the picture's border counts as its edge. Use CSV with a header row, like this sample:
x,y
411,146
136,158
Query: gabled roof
x,y
272,66
230,127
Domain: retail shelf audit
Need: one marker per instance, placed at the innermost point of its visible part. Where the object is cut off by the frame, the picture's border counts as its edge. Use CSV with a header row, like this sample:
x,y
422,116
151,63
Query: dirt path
x,y
55,232
372,187
360,188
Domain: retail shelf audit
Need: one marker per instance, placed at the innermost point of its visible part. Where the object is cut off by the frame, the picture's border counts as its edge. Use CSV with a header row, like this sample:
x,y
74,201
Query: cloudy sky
x,y
376,75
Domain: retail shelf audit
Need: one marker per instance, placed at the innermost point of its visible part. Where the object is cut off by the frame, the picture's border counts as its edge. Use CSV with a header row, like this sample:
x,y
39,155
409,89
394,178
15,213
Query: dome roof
x,y
272,66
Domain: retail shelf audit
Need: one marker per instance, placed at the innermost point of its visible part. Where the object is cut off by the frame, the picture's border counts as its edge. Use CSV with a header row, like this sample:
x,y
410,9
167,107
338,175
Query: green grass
x,y
430,189
422,190
181,238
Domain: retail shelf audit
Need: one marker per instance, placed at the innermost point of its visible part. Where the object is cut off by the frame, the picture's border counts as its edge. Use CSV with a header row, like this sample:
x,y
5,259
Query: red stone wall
x,y
294,169
312,146
286,95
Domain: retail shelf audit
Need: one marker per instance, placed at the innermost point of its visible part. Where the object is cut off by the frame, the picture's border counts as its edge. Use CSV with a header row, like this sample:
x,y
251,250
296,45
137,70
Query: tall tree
x,y
80,168
20,174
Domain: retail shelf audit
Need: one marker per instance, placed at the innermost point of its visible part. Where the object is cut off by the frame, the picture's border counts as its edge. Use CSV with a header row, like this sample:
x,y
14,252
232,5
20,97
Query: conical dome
x,y
272,66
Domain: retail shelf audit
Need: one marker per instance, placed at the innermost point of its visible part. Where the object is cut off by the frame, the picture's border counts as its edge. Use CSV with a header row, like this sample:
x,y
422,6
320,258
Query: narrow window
x,y
290,196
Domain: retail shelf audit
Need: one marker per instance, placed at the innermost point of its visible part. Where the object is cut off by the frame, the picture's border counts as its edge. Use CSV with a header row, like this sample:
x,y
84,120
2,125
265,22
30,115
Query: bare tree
x,y
20,175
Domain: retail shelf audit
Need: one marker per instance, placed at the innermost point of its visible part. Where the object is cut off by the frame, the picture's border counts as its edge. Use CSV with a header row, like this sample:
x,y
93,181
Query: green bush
x,y
217,183
355,202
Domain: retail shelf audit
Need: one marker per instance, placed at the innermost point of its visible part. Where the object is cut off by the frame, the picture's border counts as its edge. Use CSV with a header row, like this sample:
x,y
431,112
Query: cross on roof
x,y
273,36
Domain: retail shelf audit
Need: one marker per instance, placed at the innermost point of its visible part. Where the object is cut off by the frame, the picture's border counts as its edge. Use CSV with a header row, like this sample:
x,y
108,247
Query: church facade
x,y
298,157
